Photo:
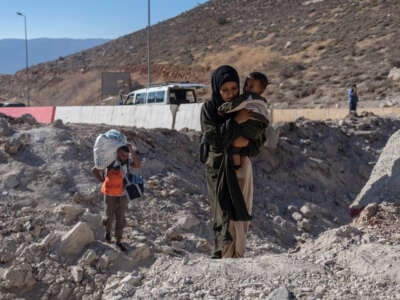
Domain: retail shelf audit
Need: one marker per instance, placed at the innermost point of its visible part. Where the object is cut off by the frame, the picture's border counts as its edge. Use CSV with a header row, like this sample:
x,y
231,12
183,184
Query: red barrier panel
x,y
43,114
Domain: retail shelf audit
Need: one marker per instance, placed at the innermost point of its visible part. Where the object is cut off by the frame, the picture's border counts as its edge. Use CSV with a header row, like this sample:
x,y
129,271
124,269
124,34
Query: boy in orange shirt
x,y
112,179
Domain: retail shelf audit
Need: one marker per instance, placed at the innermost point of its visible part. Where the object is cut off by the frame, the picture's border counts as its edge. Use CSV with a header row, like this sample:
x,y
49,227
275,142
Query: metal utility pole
x,y
26,60
148,46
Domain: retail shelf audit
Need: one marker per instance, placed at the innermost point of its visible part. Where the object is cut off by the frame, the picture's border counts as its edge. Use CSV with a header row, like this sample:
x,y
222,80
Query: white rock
x,y
305,225
394,74
140,252
69,212
88,258
109,257
77,273
187,222
311,2
272,135
76,239
175,192
307,211
292,209
178,245
65,292
166,250
203,246
281,293
52,239
297,216
250,292
94,221
133,279
173,233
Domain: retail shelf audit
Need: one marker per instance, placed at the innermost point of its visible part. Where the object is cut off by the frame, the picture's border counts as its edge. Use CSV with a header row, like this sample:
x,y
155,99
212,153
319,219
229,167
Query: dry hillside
x,y
311,50
302,240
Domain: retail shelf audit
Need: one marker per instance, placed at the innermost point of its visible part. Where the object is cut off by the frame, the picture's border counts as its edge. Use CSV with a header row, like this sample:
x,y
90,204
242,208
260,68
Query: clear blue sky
x,y
84,18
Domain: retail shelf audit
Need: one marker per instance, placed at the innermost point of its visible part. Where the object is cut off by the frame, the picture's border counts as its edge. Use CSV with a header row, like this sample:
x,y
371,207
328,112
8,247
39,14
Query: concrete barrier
x,y
146,116
188,116
290,115
42,114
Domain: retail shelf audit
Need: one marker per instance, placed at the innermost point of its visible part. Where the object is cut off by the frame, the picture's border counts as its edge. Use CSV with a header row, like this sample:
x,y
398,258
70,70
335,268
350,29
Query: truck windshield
x,y
181,96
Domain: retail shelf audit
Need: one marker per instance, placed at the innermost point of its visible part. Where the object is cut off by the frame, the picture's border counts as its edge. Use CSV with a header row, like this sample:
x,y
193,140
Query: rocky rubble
x,y
384,182
302,241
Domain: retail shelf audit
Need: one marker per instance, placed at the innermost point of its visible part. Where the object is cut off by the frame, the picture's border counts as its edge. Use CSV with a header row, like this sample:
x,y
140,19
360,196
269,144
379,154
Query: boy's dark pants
x,y
115,208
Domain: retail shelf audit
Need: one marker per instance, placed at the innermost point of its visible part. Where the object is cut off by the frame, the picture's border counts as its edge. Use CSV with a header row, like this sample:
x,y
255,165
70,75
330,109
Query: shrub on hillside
x,y
292,69
394,60
222,21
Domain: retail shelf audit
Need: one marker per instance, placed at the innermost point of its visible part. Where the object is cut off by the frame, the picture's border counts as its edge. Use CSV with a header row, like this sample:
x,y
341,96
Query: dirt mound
x,y
384,182
51,237
310,50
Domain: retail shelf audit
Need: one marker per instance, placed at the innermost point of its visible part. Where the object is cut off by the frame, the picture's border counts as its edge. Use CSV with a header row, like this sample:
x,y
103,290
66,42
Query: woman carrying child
x,y
230,190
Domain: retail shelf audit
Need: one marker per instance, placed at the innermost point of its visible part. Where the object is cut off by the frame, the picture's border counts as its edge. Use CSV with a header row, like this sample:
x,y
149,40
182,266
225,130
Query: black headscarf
x,y
220,76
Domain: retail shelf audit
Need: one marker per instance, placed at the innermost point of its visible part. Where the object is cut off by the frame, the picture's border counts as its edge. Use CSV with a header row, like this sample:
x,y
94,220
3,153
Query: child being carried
x,y
252,101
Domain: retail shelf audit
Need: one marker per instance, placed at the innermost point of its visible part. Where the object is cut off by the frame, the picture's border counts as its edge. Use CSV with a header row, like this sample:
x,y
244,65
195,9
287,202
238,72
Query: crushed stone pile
x,y
51,237
384,182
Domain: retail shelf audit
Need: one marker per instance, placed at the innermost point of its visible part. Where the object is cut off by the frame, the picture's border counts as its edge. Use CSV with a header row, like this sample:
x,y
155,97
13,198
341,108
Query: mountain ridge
x,y
311,50
12,50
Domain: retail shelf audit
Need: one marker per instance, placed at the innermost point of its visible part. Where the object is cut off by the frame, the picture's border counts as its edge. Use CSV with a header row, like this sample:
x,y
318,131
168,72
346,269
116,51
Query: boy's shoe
x,y
107,237
121,246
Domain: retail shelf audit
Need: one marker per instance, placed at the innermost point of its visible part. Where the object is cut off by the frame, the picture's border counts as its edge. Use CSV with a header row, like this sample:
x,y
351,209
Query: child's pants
x,y
115,208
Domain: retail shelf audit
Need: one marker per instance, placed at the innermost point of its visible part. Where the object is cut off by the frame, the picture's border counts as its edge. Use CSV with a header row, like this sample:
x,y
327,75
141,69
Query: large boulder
x,y
76,239
19,276
384,182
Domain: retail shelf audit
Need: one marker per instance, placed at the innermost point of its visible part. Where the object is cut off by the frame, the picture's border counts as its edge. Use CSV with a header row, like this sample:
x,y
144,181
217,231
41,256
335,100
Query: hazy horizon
x,y
87,19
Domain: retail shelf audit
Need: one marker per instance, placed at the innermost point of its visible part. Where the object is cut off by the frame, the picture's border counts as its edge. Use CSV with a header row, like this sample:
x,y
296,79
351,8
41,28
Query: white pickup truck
x,y
166,93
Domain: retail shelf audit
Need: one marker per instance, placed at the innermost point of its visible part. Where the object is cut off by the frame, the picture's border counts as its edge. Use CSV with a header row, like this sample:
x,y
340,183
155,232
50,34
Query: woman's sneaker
x,y
107,237
216,255
121,246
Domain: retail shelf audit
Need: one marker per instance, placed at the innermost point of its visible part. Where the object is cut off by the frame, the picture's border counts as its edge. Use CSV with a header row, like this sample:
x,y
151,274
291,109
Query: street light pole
x,y
26,60
148,46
